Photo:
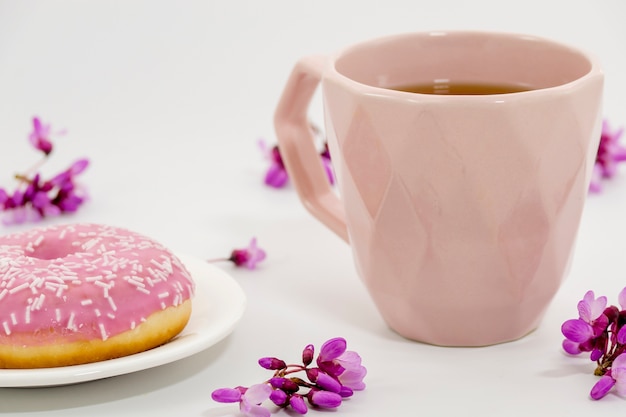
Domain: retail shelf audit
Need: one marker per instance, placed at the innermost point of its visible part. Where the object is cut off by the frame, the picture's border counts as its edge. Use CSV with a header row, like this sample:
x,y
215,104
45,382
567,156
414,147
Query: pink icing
x,y
85,281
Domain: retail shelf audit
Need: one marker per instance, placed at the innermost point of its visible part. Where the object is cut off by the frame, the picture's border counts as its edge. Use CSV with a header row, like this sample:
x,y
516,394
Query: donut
x,y
81,293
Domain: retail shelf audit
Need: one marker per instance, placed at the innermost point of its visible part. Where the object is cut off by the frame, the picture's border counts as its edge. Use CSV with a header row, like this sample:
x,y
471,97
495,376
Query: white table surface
x,y
168,99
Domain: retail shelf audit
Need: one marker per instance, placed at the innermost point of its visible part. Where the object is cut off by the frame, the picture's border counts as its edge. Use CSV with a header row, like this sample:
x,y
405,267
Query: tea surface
x,y
461,88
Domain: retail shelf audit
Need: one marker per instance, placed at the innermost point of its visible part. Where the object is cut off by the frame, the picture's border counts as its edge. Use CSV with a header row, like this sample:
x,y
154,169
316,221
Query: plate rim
x,y
222,316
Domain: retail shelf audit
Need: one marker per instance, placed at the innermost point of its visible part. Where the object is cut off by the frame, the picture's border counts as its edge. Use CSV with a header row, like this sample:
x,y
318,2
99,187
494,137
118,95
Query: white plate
x,y
218,305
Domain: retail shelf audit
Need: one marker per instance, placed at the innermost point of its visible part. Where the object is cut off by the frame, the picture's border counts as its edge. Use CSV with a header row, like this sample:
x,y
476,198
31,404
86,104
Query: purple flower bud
x,y
284,384
596,354
577,330
307,353
279,397
226,395
297,403
570,347
324,399
346,392
602,387
323,380
272,364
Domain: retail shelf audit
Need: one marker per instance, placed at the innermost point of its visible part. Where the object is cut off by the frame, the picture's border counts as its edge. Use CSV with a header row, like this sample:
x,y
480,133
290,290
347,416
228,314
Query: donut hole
x,y
51,251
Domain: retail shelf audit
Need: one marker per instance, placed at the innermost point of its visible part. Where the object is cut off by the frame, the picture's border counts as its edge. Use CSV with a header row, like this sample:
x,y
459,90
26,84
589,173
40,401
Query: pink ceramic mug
x,y
461,210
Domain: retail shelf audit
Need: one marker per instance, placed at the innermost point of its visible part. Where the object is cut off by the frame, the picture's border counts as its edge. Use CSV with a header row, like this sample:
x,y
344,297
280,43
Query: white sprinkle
x,y
57,313
7,330
97,311
13,319
60,289
163,306
27,315
112,304
136,281
143,290
3,293
86,302
70,322
93,278
39,240
20,287
62,234
103,332
164,294
111,316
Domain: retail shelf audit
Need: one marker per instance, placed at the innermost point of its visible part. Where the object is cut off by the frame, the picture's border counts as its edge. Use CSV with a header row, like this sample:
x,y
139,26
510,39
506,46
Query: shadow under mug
x,y
461,210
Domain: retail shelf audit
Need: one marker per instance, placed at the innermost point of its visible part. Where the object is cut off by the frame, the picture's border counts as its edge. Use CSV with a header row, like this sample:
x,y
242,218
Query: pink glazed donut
x,y
83,293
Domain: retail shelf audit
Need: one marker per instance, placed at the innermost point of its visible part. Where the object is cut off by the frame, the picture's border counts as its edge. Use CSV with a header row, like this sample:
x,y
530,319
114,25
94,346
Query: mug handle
x,y
297,147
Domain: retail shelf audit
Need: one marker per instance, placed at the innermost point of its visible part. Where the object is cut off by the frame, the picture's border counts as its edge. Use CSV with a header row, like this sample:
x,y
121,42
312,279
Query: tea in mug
x,y
466,89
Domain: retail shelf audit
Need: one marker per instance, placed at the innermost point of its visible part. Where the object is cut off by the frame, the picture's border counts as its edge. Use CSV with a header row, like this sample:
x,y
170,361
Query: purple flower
x,y
328,165
587,332
616,377
248,257
610,153
36,198
276,175
324,399
249,399
335,360
40,136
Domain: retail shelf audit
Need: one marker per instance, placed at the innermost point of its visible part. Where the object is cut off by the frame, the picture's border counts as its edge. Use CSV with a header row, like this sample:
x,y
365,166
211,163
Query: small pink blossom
x,y
248,257
40,136
610,154
276,175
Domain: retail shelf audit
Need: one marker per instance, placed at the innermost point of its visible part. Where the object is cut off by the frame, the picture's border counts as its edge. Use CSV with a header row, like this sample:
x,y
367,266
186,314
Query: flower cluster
x,y
276,175
610,153
601,331
337,374
36,198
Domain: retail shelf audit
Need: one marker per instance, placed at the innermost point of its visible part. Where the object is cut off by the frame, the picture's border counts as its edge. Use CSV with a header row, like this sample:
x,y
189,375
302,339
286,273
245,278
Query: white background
x,y
168,100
